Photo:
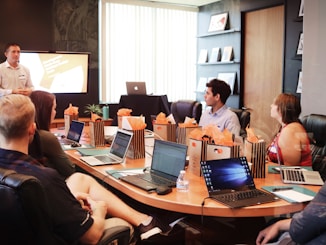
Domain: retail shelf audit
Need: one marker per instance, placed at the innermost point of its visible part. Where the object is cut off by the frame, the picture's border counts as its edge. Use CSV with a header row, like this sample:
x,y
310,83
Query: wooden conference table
x,y
189,202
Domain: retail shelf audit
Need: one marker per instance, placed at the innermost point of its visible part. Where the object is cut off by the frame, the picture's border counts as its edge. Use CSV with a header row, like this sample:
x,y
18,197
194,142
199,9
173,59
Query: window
x,y
144,41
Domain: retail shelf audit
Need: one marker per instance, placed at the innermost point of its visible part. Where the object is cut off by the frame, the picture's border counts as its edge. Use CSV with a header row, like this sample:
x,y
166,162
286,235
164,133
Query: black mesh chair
x,y
244,119
186,108
24,214
315,125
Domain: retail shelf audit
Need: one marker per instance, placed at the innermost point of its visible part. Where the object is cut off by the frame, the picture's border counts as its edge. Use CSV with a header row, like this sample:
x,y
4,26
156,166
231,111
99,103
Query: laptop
x,y
229,181
136,88
74,133
167,161
117,151
297,175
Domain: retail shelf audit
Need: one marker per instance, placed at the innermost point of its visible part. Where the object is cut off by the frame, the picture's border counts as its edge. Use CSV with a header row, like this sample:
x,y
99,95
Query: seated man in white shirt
x,y
217,93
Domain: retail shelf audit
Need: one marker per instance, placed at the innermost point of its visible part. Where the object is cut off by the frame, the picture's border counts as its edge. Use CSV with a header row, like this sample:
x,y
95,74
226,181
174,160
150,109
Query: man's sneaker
x,y
153,228
176,236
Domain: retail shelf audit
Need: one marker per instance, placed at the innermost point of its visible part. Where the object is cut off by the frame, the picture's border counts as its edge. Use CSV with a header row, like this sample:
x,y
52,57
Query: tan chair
x,y
24,214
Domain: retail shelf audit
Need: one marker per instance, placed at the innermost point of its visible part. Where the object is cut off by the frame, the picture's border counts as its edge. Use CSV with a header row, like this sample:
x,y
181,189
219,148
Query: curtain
x,y
147,43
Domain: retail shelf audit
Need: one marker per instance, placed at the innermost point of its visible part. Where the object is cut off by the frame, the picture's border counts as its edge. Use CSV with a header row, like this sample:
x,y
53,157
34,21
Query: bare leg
x,y
79,182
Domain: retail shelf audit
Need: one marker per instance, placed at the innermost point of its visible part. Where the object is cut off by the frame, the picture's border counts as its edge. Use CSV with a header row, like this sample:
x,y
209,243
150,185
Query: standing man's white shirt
x,y
13,78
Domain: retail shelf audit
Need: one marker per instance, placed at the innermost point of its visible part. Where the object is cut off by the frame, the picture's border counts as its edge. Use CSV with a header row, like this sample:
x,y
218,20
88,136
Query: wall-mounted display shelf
x,y
220,63
220,32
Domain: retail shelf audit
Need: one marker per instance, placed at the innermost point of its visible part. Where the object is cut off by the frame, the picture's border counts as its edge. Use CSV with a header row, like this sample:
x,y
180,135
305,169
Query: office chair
x,y
24,214
186,108
244,119
315,125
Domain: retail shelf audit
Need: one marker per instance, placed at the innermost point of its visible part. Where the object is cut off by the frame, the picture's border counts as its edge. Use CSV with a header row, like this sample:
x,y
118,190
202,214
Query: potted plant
x,y
94,110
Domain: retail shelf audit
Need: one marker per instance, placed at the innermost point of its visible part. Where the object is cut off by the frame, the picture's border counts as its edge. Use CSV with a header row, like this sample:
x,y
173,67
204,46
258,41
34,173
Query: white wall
x,y
313,97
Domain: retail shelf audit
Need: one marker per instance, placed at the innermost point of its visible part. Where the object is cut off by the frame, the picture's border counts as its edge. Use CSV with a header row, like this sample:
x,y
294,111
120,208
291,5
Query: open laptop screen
x,y
75,130
169,157
226,174
120,143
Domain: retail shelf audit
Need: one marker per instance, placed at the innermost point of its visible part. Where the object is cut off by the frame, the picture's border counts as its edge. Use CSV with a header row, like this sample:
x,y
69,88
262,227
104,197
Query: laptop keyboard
x,y
157,180
105,159
293,175
236,196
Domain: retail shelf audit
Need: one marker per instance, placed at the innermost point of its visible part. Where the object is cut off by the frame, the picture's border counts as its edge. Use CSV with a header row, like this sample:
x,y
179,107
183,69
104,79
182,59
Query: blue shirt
x,y
223,118
309,225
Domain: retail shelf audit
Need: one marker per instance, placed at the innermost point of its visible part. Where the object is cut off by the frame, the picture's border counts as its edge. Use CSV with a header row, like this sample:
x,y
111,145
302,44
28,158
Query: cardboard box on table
x,y
203,150
256,154
165,131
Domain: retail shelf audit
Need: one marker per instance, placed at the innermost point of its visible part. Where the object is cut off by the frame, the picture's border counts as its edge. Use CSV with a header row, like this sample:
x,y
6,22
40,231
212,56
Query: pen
x,y
282,188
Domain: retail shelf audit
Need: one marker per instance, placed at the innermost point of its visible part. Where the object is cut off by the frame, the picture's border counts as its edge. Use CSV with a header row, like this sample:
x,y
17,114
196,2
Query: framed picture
x,y
300,44
201,86
301,9
299,86
227,54
218,22
229,78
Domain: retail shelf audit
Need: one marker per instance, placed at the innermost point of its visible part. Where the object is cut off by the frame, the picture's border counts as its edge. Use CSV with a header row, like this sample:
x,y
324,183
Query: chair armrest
x,y
119,233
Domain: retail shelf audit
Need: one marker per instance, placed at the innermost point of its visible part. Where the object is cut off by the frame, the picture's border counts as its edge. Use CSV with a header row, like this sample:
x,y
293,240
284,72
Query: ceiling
x,y
196,3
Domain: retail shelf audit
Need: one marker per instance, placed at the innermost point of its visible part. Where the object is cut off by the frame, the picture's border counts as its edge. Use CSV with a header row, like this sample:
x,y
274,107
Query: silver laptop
x,y
138,88
167,161
74,133
297,175
117,151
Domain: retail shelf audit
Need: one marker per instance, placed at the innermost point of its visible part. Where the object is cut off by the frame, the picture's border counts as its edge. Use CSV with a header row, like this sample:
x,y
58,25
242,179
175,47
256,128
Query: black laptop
x,y
229,181
74,133
167,161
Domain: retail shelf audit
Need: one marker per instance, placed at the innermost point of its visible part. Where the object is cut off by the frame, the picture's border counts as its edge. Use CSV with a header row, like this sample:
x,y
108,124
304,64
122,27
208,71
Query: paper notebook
x,y
295,195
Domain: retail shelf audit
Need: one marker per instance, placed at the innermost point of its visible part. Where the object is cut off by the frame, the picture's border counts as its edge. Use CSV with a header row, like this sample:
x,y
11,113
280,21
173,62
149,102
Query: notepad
x,y
118,173
296,195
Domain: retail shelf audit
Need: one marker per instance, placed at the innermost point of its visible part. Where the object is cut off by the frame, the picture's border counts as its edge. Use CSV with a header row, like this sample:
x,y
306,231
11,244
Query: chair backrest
x,y
315,126
186,108
24,217
244,119
24,214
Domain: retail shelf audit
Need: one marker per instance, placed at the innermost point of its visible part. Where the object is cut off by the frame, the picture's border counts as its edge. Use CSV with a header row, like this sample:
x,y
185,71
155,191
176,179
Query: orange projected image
x,y
57,72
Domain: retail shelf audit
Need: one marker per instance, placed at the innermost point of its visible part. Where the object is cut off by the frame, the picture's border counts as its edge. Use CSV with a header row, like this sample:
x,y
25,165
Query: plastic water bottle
x,y
182,183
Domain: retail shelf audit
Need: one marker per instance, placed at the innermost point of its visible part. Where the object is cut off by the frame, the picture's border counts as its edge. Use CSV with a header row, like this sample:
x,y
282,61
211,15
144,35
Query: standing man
x,y
217,93
14,77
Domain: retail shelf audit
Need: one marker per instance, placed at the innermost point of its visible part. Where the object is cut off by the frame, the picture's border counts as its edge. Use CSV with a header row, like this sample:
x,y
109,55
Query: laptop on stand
x,y
117,151
74,133
167,161
229,181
